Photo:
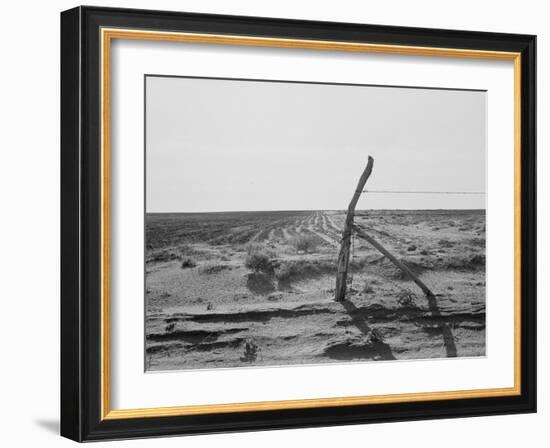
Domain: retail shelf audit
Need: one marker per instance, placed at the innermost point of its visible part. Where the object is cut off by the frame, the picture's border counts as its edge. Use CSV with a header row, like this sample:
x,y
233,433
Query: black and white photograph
x,y
292,223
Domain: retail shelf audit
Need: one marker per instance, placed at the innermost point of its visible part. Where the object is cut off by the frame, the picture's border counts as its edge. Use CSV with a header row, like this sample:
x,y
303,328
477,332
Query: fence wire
x,y
423,192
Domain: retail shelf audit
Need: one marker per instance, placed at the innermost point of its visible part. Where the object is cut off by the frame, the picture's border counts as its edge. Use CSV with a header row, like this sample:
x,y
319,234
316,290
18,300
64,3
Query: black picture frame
x,y
81,224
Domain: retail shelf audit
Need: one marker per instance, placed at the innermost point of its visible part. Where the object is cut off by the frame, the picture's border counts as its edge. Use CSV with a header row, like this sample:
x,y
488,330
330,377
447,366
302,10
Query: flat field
x,y
243,289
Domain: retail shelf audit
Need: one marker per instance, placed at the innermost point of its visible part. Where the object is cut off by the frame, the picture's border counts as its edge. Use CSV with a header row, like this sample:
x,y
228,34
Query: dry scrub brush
x,y
259,258
251,351
298,269
304,243
187,262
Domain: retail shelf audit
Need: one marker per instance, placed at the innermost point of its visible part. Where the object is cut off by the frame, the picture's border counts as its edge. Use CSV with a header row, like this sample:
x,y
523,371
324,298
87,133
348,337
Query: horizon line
x,y
315,210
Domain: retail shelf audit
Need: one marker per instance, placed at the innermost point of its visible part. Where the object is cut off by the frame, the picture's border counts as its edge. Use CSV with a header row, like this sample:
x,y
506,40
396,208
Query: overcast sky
x,y
226,145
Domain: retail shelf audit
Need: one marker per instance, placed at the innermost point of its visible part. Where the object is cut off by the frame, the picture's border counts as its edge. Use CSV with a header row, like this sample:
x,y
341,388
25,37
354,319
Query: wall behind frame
x,y
29,182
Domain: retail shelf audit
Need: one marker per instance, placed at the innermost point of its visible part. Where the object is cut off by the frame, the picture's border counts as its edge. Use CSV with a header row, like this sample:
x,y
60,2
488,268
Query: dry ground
x,y
205,309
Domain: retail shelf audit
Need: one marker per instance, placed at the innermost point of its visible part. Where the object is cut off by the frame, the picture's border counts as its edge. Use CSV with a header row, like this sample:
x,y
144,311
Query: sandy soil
x,y
205,309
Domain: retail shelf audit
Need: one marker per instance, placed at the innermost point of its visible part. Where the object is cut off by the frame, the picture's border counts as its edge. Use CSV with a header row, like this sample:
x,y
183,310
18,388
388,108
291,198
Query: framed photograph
x,y
273,223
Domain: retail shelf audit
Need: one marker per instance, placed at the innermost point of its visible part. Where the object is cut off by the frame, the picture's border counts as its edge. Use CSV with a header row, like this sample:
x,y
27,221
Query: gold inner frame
x,y
107,35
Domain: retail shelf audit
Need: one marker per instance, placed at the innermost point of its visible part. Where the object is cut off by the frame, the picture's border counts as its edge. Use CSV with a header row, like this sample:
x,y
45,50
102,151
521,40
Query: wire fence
x,y
423,192
417,192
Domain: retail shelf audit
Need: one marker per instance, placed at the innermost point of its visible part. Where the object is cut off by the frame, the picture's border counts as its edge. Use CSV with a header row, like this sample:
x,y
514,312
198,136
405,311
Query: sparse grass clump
x,y
187,249
406,299
210,269
188,262
471,262
254,247
374,337
367,288
304,242
291,270
477,260
181,252
478,242
251,350
296,269
258,262
446,243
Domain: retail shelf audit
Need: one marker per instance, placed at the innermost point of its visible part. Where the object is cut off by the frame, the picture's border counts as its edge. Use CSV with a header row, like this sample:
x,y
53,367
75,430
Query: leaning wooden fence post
x,y
343,256
394,260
